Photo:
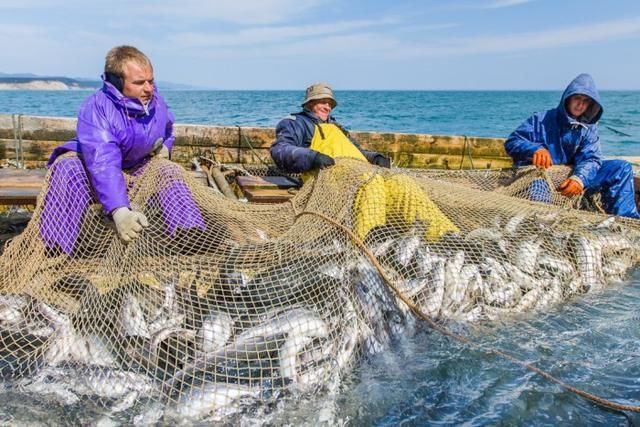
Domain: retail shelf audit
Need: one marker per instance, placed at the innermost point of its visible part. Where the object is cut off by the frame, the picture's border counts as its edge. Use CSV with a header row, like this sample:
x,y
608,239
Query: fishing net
x,y
222,309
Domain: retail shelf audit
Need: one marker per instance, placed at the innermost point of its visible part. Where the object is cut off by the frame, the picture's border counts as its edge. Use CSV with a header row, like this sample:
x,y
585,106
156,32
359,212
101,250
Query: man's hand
x,y
322,161
570,187
129,223
382,161
542,159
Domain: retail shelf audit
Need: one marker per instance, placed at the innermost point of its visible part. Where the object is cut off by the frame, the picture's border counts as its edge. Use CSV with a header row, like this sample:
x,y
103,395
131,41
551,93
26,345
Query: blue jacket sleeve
x,y
524,141
102,157
588,158
290,151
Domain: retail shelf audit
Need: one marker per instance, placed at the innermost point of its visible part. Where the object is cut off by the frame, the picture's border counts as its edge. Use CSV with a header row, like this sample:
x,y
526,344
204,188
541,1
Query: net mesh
x,y
232,308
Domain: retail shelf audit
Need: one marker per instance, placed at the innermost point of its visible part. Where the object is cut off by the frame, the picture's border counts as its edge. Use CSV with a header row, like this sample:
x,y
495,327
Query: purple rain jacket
x,y
115,132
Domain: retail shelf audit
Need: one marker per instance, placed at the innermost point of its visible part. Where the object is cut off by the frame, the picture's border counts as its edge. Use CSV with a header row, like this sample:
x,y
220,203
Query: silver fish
x,y
431,300
588,258
132,319
614,269
424,259
12,310
168,315
212,399
526,254
512,225
299,321
64,338
555,266
288,355
215,332
405,249
455,287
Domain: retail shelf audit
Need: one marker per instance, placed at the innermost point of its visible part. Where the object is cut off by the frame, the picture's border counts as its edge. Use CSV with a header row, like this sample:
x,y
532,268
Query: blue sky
x,y
355,44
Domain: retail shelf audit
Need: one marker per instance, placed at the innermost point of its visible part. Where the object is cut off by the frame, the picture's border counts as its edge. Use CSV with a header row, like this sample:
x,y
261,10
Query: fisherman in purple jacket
x,y
119,128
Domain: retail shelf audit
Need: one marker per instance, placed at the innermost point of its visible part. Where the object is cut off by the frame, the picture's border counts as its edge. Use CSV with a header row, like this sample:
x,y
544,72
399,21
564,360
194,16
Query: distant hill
x,y
31,81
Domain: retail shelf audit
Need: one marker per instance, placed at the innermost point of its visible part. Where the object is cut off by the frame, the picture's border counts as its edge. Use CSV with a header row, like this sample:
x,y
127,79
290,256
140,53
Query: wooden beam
x,y
22,186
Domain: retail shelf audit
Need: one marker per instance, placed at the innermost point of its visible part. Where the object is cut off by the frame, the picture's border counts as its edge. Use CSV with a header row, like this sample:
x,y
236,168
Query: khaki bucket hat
x,y
319,91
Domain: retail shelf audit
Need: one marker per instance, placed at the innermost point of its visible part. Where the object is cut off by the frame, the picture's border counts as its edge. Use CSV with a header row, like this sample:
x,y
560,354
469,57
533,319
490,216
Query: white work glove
x,y
129,223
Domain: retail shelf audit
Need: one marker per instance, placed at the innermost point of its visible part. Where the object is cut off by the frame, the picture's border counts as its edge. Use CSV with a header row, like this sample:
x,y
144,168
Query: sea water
x,y
591,341
472,113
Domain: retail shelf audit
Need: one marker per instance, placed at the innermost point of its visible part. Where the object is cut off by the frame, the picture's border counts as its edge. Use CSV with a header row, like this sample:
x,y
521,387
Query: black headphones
x,y
115,80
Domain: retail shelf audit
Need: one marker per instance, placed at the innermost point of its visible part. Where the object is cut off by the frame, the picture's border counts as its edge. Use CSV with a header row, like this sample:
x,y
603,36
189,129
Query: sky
x,y
352,44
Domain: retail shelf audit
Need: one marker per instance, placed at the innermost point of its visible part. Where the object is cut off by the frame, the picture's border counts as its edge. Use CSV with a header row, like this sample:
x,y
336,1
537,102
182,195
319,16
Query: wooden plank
x,y
265,182
250,144
447,161
19,196
22,186
261,195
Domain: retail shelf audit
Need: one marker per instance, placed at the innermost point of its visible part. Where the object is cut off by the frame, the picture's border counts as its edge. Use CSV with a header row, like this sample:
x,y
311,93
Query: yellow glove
x,y
129,223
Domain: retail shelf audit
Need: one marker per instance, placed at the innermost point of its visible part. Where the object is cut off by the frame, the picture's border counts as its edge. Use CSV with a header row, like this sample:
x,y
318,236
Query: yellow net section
x,y
214,313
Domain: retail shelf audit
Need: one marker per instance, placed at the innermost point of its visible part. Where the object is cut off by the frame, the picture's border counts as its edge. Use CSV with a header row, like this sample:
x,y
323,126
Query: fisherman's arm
x,y
588,158
523,142
290,150
102,157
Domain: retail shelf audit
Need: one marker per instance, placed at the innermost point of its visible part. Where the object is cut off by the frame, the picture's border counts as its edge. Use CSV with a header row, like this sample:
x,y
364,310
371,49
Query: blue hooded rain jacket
x,y
575,141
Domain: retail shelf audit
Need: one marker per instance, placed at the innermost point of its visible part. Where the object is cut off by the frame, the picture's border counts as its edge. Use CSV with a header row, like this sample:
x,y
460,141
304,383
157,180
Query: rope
x,y
588,396
466,149
17,139
253,150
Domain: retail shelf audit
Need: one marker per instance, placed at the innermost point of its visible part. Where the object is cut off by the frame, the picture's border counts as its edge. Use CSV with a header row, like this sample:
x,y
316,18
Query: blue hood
x,y
583,85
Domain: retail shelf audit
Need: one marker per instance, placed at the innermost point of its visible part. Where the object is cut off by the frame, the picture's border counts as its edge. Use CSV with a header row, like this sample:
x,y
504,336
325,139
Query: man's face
x,y
138,82
321,108
577,105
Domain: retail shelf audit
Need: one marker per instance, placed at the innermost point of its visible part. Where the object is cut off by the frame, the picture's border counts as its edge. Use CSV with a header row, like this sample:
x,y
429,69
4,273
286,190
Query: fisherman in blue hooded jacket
x,y
568,135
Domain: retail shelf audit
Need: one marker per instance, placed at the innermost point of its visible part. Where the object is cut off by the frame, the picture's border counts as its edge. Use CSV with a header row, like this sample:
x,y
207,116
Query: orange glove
x,y
542,158
570,187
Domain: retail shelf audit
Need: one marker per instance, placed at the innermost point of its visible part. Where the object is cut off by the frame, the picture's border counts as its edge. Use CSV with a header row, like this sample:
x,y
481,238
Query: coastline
x,y
38,85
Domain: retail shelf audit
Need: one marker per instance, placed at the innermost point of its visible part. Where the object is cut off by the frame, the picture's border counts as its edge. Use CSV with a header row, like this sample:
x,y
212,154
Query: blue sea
x,y
591,342
473,113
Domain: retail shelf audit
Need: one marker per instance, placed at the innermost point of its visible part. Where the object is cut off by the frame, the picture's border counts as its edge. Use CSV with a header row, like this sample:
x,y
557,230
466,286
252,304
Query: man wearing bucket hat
x,y
309,140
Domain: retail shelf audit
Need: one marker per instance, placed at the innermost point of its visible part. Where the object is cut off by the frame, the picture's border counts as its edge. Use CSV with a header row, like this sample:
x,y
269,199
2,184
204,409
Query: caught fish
x,y
212,400
12,310
168,315
512,225
215,332
455,287
268,336
526,254
132,319
587,255
70,381
430,301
